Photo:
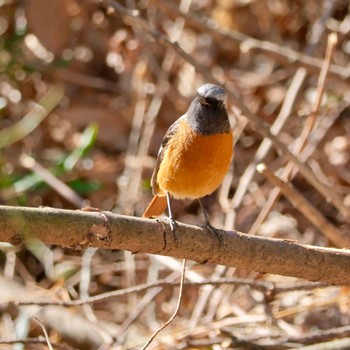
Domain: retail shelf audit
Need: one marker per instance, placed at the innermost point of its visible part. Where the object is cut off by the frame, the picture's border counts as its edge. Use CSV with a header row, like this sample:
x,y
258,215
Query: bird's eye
x,y
203,101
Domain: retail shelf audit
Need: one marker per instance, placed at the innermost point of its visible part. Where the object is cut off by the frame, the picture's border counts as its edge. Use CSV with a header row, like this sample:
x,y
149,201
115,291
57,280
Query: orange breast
x,y
194,165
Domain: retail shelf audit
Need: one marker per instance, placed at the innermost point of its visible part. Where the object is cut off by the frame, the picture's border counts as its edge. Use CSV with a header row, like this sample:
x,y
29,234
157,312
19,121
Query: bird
x,y
195,154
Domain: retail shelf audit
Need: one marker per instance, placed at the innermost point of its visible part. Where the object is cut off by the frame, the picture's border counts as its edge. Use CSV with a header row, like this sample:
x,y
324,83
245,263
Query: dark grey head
x,y
211,91
207,113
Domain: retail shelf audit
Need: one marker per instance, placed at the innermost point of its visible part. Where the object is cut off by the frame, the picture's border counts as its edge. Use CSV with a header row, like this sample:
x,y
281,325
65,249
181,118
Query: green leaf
x,y
87,140
85,186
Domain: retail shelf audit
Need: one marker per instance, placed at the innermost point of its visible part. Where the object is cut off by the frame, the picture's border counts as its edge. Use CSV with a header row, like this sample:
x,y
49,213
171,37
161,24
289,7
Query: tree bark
x,y
88,228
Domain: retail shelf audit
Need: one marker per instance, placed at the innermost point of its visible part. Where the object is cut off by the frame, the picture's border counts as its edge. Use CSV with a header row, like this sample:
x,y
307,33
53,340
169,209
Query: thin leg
x,y
206,218
171,218
209,226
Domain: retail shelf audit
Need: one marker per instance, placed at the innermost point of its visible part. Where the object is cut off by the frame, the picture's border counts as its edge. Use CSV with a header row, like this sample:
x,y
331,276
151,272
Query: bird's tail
x,y
156,207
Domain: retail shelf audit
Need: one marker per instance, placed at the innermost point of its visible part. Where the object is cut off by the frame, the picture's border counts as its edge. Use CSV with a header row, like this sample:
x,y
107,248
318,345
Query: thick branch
x,y
82,228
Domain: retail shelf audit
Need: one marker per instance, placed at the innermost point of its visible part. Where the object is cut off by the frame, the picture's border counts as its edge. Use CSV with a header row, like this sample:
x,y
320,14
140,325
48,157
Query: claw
x,y
216,232
213,230
173,225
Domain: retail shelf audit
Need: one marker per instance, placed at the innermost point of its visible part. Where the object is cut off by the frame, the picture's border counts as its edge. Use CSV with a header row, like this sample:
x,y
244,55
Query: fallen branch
x,y
81,229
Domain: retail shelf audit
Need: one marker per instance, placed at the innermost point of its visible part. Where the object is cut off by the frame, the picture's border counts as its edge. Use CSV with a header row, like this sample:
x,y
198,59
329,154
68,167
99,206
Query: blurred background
x,y
86,95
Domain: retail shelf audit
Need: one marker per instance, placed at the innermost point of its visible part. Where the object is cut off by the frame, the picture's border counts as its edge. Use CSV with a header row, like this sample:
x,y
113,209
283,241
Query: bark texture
x,y
87,228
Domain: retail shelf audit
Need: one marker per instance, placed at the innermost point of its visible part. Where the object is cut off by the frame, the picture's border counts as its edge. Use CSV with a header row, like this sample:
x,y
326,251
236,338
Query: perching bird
x,y
195,153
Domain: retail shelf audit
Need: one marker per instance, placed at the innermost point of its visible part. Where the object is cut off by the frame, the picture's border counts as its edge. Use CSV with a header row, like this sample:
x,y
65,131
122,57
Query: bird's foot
x,y
214,231
173,226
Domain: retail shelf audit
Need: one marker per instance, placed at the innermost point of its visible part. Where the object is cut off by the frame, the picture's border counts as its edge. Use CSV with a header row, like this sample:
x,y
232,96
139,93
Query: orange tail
x,y
156,207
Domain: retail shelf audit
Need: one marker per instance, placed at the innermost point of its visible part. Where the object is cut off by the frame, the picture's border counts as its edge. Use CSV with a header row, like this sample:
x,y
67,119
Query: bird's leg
x,y
172,221
208,225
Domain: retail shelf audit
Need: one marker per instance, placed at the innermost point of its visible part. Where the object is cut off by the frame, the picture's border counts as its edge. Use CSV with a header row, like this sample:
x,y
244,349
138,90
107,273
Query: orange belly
x,y
194,165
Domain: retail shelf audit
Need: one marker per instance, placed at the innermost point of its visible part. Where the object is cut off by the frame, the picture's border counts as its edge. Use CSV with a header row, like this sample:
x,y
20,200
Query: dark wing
x,y
168,135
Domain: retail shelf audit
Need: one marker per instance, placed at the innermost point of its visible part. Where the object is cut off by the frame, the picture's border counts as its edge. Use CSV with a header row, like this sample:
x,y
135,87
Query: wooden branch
x,y
83,228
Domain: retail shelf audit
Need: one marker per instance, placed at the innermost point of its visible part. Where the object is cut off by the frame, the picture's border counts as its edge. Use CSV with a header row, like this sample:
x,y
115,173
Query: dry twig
x,y
339,238
171,319
48,342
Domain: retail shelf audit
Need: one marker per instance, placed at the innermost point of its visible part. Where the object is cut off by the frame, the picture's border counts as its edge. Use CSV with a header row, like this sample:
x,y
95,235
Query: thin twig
x,y
321,335
336,344
80,79
307,209
145,301
149,341
51,180
32,340
274,342
45,332
262,286
33,118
